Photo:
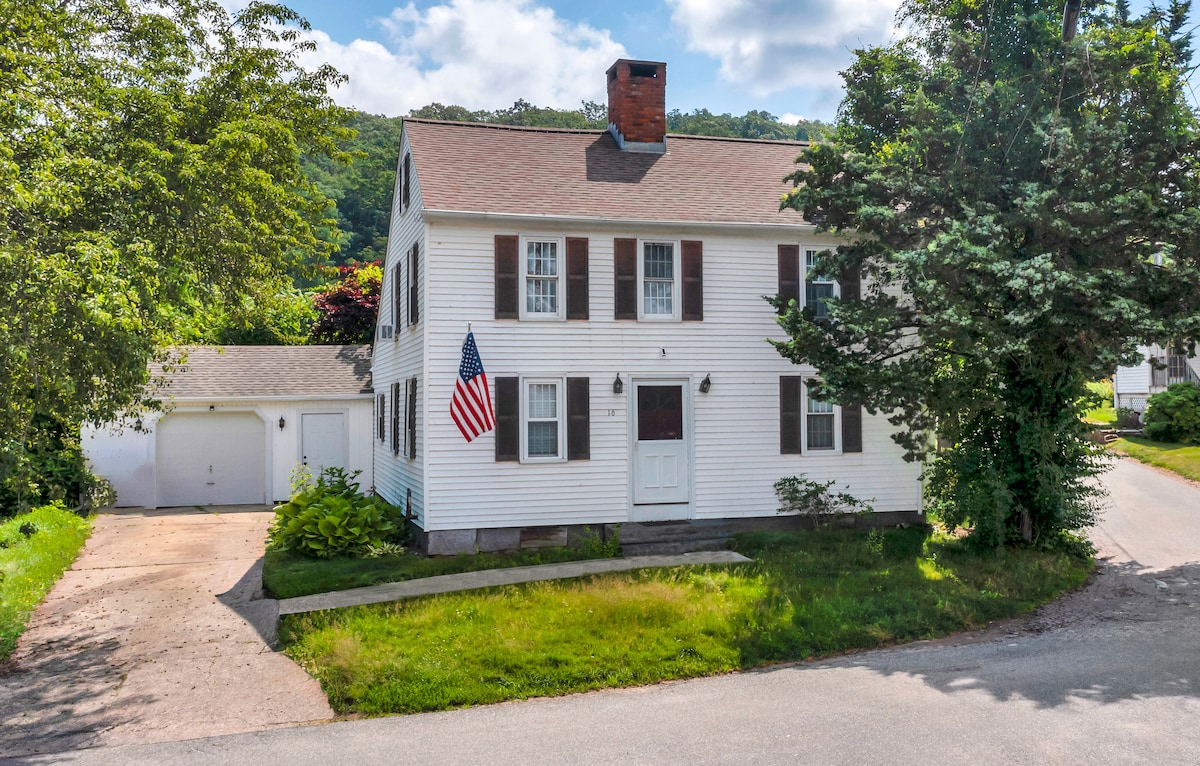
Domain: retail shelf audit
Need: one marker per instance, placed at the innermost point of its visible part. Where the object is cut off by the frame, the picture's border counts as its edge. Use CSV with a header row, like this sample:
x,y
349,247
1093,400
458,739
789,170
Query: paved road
x,y
150,637
1109,675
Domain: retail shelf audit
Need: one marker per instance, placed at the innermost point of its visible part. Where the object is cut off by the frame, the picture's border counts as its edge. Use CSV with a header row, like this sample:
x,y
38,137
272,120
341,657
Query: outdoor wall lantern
x,y
137,425
706,384
618,386
282,422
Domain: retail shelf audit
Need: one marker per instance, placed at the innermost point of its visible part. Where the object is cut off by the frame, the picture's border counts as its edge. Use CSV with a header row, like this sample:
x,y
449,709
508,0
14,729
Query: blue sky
x,y
722,55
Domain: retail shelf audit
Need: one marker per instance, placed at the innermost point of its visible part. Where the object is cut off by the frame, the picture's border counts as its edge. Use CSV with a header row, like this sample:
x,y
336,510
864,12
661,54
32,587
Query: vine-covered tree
x,y
149,161
1022,210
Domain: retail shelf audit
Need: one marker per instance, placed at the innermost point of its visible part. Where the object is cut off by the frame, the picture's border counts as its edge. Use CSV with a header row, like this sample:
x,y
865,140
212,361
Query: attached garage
x,y
236,423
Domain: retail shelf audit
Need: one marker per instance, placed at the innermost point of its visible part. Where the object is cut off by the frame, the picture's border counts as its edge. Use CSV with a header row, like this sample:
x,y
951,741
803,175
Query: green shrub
x,y
1174,414
800,495
328,516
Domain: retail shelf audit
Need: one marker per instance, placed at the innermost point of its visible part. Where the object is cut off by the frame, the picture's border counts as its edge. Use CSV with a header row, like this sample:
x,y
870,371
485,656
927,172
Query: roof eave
x,y
454,216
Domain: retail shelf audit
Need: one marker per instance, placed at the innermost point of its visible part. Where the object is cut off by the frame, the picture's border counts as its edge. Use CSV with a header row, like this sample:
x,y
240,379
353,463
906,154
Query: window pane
x,y
820,431
542,259
815,295
819,407
543,439
543,401
541,296
660,413
658,297
659,261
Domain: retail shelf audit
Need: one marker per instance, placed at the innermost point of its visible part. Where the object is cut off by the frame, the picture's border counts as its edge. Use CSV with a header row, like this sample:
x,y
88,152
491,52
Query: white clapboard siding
x,y
401,357
736,458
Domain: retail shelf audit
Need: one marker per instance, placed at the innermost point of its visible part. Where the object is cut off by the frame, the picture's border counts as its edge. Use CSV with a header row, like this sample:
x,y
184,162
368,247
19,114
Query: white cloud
x,y
791,119
772,45
480,54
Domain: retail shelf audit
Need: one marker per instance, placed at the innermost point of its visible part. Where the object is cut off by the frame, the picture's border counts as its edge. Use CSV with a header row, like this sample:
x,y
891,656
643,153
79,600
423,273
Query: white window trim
x,y
804,251
837,426
677,283
523,257
561,417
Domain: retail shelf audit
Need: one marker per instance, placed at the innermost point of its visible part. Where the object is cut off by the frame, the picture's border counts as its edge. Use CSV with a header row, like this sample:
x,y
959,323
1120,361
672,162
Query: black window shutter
x,y
849,284
411,416
625,274
852,428
790,414
397,298
789,274
414,260
692,262
507,277
579,419
404,182
508,419
396,418
381,417
577,278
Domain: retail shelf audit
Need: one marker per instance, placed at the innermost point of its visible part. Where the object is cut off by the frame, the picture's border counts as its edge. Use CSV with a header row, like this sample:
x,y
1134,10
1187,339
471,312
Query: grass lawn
x,y
31,564
289,574
1183,459
1101,416
806,595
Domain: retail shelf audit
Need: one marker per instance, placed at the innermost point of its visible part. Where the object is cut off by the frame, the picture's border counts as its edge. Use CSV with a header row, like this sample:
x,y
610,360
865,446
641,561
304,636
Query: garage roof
x,y
246,372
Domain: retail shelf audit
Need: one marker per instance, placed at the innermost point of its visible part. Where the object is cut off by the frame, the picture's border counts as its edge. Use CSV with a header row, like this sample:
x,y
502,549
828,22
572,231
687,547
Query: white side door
x,y
661,470
323,440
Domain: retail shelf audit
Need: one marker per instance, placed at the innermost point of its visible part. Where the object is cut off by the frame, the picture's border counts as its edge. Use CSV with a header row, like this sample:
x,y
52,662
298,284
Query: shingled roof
x,y
469,167
241,372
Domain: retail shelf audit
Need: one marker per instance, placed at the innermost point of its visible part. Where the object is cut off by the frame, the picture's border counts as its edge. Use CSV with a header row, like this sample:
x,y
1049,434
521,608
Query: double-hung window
x,y
542,268
658,280
819,430
818,288
542,433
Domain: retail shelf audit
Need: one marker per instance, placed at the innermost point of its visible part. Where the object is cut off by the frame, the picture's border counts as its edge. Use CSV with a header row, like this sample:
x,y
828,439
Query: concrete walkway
x,y
157,633
490,578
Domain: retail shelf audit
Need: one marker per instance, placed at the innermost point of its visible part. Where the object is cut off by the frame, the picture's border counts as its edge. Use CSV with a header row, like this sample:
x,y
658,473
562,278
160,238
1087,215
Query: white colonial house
x,y
614,282
235,423
1160,367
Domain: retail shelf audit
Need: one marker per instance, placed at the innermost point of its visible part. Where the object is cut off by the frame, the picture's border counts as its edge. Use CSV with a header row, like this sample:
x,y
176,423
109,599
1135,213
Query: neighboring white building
x,y
1160,367
614,281
237,420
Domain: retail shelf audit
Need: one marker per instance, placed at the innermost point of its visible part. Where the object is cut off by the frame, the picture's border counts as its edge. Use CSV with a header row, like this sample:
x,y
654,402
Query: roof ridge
x,y
600,131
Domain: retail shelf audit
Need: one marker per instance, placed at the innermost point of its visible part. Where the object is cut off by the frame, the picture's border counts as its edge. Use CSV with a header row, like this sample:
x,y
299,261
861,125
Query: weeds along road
x,y
1110,674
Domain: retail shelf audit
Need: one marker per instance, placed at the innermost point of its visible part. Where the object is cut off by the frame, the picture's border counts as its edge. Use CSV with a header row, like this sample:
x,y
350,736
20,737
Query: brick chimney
x,y
637,105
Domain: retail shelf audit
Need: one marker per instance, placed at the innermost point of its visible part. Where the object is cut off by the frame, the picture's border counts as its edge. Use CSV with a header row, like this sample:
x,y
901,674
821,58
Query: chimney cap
x,y
637,67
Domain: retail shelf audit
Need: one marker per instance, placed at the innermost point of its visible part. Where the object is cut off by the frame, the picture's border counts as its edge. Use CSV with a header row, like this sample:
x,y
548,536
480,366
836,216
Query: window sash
x,y
543,420
820,424
542,270
659,274
818,288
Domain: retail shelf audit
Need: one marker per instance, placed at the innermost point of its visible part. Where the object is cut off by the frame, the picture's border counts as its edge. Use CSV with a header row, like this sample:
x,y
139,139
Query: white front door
x,y
322,440
661,471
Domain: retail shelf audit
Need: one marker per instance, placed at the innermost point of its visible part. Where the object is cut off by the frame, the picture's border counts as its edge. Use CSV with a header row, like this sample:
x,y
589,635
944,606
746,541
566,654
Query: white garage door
x,y
211,458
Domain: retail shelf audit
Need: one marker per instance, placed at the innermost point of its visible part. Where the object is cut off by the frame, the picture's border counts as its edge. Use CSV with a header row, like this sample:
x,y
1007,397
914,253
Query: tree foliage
x,y
1174,415
149,161
346,310
1006,197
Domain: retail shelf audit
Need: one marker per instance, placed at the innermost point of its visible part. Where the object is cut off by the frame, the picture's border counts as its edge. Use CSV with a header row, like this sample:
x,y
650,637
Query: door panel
x,y
210,458
660,449
323,440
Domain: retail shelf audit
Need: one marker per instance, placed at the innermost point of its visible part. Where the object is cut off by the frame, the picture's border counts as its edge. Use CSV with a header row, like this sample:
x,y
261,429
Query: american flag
x,y
471,405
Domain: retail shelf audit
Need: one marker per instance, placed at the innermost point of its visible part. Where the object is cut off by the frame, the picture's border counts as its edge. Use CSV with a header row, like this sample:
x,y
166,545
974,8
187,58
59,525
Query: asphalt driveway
x,y
152,637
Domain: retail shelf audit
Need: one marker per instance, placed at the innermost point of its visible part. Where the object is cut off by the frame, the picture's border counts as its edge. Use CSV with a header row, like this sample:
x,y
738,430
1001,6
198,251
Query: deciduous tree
x,y
149,157
1023,210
